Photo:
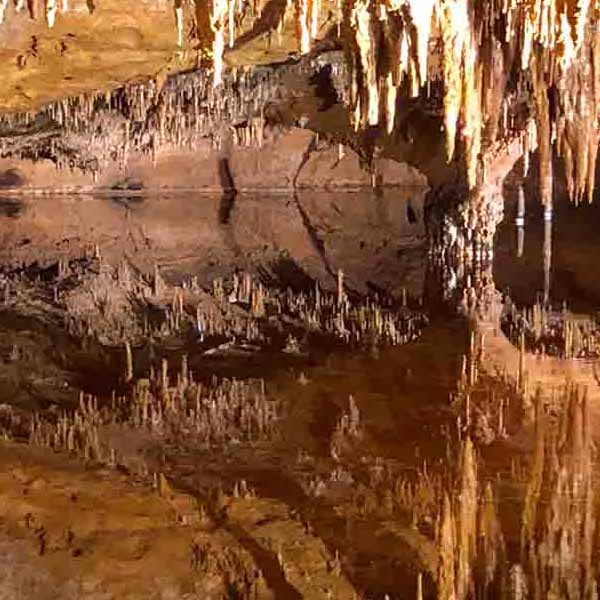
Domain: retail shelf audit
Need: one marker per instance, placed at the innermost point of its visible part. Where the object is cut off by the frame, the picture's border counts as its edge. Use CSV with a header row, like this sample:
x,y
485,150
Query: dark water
x,y
574,274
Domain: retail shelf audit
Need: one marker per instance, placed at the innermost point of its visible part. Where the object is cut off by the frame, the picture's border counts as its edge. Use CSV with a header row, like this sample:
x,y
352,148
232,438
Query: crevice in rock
x,y
317,242
229,195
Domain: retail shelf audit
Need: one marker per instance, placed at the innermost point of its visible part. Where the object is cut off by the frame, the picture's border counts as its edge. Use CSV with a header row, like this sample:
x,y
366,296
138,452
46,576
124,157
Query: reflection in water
x,y
572,242
520,222
412,433
547,253
229,192
11,178
411,215
226,206
128,202
10,207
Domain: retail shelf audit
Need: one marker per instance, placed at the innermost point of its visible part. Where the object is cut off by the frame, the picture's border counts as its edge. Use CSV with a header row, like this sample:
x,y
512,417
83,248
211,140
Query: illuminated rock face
x,y
549,51
498,71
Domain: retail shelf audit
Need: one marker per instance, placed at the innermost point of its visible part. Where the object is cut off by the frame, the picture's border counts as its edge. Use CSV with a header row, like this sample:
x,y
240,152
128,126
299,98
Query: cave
x,y
298,299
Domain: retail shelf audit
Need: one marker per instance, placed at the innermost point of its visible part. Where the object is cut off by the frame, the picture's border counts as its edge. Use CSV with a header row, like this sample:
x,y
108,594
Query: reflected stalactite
x,y
467,521
491,551
558,500
547,254
520,222
558,533
446,544
559,508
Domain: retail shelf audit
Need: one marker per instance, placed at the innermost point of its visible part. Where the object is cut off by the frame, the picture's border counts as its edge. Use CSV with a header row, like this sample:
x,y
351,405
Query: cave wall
x,y
283,158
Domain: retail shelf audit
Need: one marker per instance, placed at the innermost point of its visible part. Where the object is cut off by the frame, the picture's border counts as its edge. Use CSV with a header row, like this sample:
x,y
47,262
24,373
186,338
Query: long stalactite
x,y
548,50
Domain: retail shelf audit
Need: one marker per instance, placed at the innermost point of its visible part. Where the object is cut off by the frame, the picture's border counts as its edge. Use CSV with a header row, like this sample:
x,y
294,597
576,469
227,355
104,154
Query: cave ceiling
x,y
477,74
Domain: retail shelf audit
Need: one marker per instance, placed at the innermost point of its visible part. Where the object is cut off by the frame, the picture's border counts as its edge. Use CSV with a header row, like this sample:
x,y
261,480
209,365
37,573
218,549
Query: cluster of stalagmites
x,y
224,412
388,491
240,573
116,306
482,403
552,332
364,322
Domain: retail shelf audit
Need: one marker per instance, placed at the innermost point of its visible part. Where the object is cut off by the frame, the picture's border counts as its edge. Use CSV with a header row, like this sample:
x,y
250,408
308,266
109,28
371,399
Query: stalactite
x,y
555,44
422,13
3,7
362,21
542,108
51,10
179,22
455,24
550,48
218,18
231,13
181,112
